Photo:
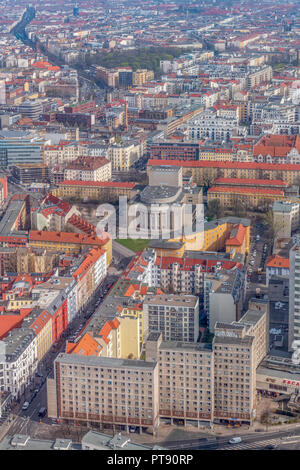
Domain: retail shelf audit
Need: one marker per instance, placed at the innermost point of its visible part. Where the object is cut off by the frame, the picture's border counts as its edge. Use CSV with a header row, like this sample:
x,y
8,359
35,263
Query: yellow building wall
x,y
129,337
44,340
17,304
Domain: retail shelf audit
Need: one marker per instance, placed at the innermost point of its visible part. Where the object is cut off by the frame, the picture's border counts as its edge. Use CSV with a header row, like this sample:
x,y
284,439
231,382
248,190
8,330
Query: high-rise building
x,y
294,296
104,390
175,316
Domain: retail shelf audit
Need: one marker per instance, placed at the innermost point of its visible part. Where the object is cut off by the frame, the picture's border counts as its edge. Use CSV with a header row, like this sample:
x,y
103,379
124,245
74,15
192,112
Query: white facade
x,y
18,367
209,125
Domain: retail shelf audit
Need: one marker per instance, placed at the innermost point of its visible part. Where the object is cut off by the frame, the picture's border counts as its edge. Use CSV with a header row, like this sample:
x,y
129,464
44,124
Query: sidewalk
x,y
4,428
167,433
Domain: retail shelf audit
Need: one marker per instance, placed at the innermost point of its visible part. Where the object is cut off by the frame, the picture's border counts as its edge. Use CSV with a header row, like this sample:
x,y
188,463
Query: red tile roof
x,y
65,237
230,165
237,236
277,261
232,189
250,182
101,184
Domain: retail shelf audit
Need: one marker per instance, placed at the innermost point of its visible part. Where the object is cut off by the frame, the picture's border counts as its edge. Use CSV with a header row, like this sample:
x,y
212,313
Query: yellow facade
x,y
44,340
138,314
251,200
130,340
16,303
70,248
212,239
88,191
221,156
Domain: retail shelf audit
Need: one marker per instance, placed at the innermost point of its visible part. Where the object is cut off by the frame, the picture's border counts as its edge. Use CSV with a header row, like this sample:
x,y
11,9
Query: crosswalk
x,y
252,445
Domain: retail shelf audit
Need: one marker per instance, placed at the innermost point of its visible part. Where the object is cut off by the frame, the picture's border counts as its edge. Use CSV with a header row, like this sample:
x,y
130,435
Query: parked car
x,y
132,428
42,412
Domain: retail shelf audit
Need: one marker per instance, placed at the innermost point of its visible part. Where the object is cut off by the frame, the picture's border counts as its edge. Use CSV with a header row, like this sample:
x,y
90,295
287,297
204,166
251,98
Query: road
x,y
258,261
120,250
249,441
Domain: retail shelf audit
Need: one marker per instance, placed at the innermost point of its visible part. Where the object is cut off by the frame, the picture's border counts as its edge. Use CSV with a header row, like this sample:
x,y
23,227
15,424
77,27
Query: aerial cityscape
x,y
150,225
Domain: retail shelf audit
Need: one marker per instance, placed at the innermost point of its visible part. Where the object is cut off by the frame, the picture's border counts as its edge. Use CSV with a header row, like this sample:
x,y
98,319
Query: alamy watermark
x,y
153,221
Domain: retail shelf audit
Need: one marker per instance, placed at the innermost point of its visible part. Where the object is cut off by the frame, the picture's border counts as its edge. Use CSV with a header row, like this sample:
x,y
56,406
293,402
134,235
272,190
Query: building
x,y
14,222
277,266
92,440
124,155
104,390
186,380
101,191
3,189
175,316
239,347
205,172
278,149
223,296
69,242
166,176
215,152
52,214
63,153
294,296
88,169
31,109
209,125
21,149
286,217
251,197
229,233
173,150
186,274
27,173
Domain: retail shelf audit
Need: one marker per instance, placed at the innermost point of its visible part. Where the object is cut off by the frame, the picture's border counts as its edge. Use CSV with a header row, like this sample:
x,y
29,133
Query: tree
x,y
272,226
207,178
214,209
238,206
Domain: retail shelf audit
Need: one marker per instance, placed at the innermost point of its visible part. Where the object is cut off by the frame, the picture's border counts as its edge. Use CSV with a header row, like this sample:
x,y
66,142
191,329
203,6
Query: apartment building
x,y
208,171
238,349
175,316
209,125
277,266
63,153
18,360
88,275
215,153
223,296
186,379
68,242
104,390
88,169
249,196
53,214
294,295
102,191
278,149
123,156
286,218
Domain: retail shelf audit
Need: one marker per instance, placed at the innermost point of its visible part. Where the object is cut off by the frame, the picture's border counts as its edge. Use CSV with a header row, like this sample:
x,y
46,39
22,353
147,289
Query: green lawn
x,y
135,245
